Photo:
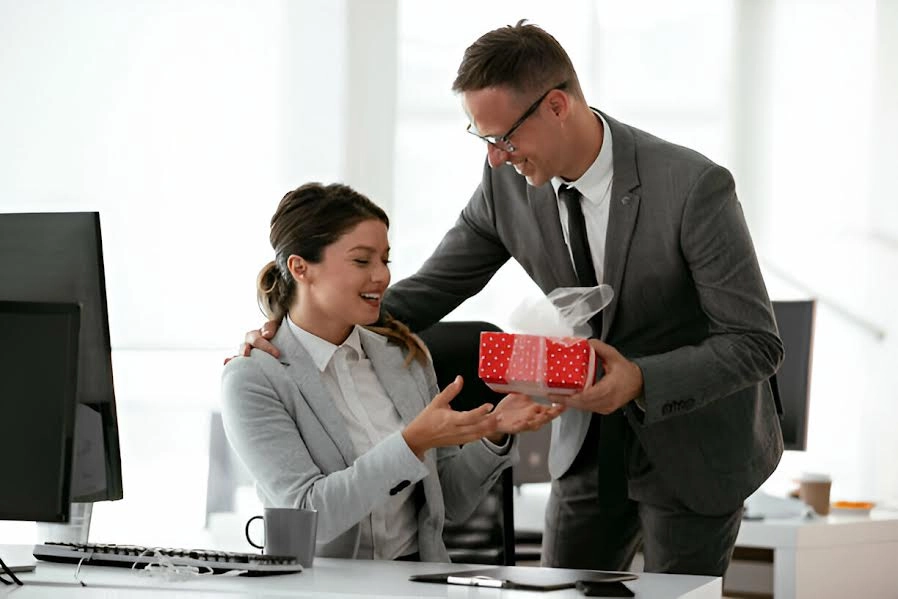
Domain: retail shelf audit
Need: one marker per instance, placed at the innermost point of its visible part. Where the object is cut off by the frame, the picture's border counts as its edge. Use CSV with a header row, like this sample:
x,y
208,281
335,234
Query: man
x,y
682,426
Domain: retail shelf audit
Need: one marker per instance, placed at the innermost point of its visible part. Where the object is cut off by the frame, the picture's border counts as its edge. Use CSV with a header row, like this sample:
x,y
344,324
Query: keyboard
x,y
219,562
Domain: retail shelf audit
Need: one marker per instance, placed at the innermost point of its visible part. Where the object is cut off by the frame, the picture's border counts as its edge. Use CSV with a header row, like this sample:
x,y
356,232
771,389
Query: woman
x,y
345,419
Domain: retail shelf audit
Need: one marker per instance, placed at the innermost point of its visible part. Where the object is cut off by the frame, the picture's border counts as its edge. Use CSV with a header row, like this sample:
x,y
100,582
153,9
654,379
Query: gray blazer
x,y
283,424
690,308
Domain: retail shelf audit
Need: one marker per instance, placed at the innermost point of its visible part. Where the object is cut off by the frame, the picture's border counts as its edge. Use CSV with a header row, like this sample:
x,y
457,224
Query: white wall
x,y
183,123
831,91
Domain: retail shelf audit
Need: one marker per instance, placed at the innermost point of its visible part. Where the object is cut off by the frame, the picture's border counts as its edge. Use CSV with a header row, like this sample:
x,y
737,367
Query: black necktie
x,y
612,428
576,228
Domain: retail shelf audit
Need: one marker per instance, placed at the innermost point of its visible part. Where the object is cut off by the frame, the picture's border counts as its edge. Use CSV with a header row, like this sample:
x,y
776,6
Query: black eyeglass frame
x,y
502,142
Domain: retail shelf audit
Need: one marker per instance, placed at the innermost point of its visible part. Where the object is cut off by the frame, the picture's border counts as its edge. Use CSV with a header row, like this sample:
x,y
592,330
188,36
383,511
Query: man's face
x,y
495,110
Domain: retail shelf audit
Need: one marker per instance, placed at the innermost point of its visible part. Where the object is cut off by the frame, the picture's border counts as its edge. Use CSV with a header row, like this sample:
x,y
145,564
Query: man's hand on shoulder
x,y
620,384
259,339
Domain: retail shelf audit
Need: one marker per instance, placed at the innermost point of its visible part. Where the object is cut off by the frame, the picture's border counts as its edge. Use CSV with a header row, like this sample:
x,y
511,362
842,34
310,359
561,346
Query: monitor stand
x,y
77,530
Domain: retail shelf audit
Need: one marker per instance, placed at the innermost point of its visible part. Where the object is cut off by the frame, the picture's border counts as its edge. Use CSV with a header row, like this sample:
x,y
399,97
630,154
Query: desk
x,y
328,578
835,556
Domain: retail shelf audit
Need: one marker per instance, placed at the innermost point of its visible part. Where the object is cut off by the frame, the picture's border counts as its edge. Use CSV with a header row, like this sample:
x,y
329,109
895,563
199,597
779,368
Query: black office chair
x,y
533,468
488,535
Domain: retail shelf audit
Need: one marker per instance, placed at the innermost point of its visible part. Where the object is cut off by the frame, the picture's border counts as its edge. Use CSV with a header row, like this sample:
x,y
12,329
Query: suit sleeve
x,y
467,474
742,347
267,440
462,264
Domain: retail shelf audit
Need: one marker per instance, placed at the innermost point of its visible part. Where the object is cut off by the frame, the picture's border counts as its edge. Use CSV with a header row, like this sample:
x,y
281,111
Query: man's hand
x,y
441,426
259,339
517,412
621,383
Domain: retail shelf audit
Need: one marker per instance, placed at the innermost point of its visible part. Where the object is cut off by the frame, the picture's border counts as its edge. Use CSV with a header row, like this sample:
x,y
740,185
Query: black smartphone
x,y
604,589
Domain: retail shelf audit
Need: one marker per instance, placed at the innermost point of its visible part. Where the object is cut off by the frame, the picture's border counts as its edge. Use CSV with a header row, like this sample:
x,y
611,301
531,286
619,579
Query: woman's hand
x,y
441,426
517,412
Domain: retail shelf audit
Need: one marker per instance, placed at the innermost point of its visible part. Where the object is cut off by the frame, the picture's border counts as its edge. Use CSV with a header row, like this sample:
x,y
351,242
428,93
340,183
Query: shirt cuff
x,y
406,460
498,449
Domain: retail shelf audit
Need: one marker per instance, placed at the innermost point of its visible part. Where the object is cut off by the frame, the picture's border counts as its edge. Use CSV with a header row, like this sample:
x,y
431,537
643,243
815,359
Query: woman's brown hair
x,y
307,220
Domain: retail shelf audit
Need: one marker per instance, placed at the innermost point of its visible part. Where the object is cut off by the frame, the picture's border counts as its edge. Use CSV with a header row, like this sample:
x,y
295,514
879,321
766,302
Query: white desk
x,y
328,578
834,557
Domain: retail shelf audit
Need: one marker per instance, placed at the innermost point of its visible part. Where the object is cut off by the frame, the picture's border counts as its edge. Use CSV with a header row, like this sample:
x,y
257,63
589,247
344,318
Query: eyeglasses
x,y
502,142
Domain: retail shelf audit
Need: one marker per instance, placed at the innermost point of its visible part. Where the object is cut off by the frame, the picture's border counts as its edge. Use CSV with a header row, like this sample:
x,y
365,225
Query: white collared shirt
x,y
347,373
595,186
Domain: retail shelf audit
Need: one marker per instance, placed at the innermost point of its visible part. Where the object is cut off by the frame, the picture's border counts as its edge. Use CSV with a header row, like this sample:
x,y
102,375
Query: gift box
x,y
535,365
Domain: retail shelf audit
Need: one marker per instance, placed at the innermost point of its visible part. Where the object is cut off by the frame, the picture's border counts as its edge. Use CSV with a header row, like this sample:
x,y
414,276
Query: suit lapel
x,y
388,364
622,215
301,368
544,205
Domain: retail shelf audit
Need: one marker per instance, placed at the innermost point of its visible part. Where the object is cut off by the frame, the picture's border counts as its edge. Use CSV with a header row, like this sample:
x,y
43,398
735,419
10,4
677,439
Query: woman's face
x,y
347,286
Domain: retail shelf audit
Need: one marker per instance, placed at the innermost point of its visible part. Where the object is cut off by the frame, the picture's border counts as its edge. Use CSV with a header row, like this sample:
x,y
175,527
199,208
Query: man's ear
x,y
298,267
559,103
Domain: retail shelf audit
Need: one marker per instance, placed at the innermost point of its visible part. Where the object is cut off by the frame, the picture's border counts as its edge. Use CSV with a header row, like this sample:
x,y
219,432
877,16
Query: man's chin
x,y
535,180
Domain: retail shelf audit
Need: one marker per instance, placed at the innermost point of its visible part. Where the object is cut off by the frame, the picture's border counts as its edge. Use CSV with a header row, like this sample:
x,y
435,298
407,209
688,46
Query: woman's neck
x,y
333,332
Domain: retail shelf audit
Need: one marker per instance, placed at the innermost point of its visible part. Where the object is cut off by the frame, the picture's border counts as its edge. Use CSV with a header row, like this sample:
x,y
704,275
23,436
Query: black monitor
x,y
795,321
58,257
38,377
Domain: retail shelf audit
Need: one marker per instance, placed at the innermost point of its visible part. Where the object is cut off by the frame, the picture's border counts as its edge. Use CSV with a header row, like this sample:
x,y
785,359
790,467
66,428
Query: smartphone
x,y
604,589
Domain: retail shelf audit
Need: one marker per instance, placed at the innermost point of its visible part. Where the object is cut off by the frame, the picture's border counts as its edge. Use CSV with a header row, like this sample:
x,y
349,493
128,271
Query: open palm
x,y
517,412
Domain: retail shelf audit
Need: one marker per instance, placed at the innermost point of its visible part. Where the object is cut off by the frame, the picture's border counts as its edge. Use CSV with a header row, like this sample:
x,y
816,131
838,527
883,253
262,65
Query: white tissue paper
x,y
565,312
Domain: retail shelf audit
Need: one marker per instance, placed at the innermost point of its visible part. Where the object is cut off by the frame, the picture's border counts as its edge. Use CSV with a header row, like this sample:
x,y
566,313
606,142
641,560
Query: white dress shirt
x,y
391,530
595,186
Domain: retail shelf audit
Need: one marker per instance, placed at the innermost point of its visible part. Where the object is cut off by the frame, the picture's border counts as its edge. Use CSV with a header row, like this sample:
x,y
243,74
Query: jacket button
x,y
398,488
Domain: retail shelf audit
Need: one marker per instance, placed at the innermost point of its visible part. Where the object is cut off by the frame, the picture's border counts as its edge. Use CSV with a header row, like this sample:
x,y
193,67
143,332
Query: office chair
x,y
488,535
533,468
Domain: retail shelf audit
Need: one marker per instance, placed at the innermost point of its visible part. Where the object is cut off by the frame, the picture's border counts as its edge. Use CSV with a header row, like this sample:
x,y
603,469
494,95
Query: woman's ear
x,y
298,267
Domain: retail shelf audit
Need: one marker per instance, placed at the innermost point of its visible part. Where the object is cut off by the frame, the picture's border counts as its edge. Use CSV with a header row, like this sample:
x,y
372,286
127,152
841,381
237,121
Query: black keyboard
x,y
218,562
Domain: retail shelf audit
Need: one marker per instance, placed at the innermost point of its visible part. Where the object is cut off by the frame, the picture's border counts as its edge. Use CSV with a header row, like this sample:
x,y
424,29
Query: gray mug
x,y
288,531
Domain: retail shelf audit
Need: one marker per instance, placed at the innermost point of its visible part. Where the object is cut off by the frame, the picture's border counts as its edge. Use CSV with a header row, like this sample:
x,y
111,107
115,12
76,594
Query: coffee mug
x,y
288,531
814,489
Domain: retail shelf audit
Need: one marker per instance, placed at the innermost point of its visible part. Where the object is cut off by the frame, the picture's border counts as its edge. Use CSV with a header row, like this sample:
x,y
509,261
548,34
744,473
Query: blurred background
x,y
184,122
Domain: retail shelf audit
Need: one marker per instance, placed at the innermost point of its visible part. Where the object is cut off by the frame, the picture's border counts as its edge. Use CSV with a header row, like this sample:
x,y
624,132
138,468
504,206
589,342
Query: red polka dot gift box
x,y
535,365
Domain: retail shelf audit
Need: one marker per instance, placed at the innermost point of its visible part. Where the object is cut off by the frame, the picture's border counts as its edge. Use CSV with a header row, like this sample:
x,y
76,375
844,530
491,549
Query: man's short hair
x,y
523,58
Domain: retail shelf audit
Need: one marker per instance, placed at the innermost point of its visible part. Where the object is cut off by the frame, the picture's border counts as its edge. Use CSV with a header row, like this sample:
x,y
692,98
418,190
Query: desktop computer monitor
x,y
795,321
38,378
58,257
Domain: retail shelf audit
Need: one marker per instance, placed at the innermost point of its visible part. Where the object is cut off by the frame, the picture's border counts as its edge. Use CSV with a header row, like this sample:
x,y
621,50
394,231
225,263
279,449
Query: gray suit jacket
x,y
690,308
284,426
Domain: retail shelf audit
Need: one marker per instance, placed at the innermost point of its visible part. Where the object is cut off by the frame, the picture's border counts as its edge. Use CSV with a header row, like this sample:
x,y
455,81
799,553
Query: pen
x,y
476,581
